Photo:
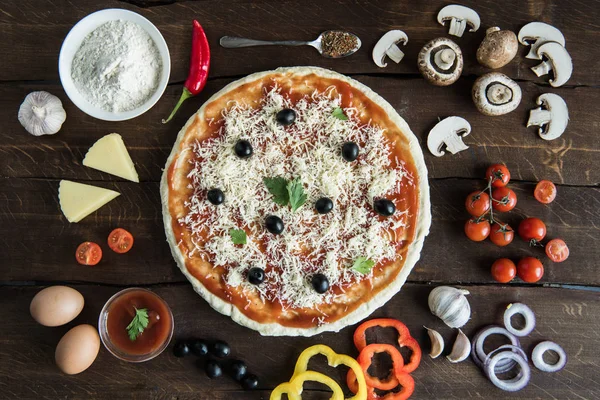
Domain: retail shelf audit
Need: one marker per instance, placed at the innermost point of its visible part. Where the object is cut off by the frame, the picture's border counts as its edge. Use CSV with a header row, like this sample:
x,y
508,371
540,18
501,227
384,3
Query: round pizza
x,y
296,201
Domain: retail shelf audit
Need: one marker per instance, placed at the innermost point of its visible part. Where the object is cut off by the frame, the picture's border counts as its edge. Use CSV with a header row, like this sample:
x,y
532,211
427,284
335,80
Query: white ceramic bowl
x,y
72,43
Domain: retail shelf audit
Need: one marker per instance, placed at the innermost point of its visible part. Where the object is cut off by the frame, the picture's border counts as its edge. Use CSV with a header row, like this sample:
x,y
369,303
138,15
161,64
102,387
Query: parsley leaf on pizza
x,y
238,236
339,114
278,188
296,193
363,265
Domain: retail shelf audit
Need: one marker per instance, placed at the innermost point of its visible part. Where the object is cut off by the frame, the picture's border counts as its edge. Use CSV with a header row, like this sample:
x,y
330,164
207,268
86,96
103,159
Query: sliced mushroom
x,y
441,62
552,117
496,94
388,46
538,33
460,17
498,48
449,132
557,60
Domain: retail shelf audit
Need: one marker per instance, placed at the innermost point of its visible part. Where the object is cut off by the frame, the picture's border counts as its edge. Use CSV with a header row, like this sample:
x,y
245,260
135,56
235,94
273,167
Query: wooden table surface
x,y
37,243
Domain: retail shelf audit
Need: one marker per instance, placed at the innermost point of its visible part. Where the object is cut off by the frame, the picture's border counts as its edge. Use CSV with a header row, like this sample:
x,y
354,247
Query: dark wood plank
x,y
569,159
30,219
39,30
27,369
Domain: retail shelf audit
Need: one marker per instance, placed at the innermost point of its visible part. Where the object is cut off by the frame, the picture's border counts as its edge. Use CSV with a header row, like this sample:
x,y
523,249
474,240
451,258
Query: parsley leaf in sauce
x,y
363,265
297,195
137,324
339,114
278,188
238,236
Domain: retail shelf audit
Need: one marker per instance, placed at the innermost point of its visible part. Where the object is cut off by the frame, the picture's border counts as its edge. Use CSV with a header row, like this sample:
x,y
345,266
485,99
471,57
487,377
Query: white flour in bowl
x,y
118,66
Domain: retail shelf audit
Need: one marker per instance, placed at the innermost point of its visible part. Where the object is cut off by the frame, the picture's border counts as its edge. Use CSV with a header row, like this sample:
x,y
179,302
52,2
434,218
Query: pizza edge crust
x,y
423,220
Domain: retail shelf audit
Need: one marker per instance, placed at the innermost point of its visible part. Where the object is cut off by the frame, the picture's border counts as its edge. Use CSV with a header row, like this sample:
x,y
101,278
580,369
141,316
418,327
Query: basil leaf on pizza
x,y
296,193
363,265
238,236
278,188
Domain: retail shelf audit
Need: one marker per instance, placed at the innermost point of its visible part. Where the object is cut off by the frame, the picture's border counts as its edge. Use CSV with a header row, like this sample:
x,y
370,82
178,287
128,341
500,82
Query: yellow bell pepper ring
x,y
333,359
294,387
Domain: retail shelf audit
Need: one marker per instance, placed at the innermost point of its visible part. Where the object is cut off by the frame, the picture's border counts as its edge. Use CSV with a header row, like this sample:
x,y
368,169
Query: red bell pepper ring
x,y
408,387
404,339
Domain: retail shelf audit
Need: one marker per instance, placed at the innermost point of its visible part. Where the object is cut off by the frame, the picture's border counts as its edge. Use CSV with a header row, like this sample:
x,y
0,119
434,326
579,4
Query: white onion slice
x,y
537,356
479,354
509,385
522,309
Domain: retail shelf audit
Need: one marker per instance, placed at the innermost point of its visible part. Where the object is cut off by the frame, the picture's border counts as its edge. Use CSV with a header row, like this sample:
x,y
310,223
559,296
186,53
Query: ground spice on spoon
x,y
337,43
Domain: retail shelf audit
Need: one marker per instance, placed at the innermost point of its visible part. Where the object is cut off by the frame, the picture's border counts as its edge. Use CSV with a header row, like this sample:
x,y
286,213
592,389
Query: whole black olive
x,y
213,369
350,151
181,349
324,205
250,382
320,283
243,149
238,370
256,275
274,224
286,116
220,349
384,207
215,196
198,347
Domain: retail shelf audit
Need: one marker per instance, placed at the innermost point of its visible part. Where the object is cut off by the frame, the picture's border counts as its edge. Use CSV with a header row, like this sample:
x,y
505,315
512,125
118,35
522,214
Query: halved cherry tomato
x,y
504,199
120,241
499,174
504,270
532,230
501,234
477,231
545,192
477,203
530,269
557,250
88,253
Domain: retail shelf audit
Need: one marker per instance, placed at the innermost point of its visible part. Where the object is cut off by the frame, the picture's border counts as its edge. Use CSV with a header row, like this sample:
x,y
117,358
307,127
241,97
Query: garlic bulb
x,y
450,305
42,113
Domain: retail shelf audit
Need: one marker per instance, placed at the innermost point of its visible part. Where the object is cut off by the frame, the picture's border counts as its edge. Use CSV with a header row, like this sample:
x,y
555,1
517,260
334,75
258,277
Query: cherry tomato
x,y
530,269
504,199
557,250
504,270
88,253
120,241
499,173
532,230
477,231
501,234
477,203
545,192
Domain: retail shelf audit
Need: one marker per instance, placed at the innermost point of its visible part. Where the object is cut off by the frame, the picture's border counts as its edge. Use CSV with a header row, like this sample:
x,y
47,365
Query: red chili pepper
x,y
199,66
397,375
404,339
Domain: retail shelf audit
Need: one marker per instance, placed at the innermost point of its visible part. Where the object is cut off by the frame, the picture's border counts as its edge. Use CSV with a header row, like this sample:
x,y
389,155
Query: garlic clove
x,y
450,305
41,113
437,342
461,348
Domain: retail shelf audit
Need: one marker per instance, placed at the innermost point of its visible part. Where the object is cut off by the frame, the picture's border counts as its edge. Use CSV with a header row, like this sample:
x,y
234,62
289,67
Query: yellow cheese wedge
x,y
110,155
77,200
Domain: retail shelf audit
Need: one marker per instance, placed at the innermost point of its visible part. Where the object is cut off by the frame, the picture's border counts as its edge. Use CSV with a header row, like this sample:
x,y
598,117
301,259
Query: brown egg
x,y
77,349
56,305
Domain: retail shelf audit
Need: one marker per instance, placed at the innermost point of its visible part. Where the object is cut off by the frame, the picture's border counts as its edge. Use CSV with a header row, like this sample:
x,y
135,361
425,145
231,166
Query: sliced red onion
x,y
479,354
509,385
537,356
509,365
522,309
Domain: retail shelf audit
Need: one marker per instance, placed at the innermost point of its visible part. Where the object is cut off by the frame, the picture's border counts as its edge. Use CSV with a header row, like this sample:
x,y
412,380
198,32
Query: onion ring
x,y
537,356
522,309
479,355
509,385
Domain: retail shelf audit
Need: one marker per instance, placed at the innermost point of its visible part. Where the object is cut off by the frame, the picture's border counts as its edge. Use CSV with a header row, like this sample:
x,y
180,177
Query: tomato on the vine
x,y
530,269
477,230
88,253
499,174
504,199
557,250
545,192
504,270
120,241
477,203
501,234
532,230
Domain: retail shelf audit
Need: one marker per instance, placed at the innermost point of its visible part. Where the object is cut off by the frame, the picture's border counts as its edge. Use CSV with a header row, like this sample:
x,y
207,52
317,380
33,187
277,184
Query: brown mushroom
x,y
441,62
498,48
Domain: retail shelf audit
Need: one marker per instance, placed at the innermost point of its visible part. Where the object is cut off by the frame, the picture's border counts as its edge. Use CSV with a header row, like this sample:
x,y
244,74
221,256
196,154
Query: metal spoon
x,y
232,42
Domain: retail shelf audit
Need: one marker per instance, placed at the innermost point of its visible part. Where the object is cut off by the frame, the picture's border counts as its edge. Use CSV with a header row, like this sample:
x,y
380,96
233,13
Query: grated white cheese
x,y
308,149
